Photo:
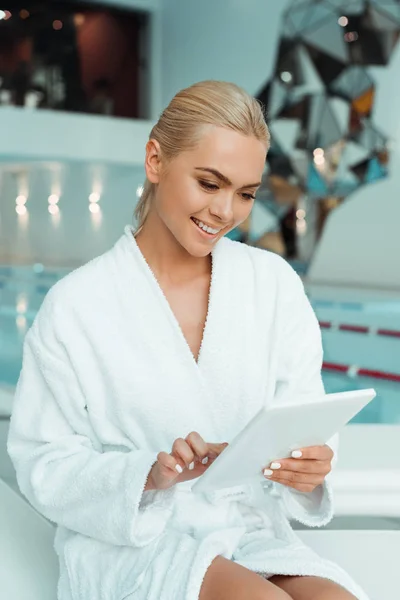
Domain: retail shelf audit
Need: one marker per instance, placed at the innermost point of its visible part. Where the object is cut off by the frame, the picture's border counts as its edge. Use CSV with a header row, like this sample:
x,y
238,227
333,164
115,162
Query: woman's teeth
x,y
205,227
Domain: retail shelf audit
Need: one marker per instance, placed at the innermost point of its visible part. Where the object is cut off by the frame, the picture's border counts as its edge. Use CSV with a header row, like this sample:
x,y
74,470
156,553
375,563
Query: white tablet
x,y
275,432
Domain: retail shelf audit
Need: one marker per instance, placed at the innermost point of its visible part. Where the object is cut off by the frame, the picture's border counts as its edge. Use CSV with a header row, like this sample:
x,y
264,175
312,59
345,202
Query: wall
x,y
149,5
360,245
233,40
51,135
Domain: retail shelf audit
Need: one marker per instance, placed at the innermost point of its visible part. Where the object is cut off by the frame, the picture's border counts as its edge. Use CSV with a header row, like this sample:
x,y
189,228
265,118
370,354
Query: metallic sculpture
x,y
319,104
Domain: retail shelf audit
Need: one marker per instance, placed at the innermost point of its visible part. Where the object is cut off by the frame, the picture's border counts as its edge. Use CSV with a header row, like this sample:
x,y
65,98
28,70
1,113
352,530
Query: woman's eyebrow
x,y
223,178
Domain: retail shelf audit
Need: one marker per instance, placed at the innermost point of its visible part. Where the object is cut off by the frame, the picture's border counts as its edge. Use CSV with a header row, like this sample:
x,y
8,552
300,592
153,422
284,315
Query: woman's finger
x,y
182,452
300,487
301,466
169,463
294,477
199,447
313,453
215,450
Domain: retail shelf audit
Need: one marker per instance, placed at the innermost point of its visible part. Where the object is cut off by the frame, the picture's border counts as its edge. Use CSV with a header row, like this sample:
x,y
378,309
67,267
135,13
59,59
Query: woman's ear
x,y
153,161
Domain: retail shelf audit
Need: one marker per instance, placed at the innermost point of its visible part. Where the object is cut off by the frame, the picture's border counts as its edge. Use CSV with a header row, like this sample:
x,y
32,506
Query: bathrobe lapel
x,y
225,388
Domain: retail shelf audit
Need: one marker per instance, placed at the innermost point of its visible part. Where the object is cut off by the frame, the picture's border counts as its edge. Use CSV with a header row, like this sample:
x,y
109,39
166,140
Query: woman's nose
x,y
222,207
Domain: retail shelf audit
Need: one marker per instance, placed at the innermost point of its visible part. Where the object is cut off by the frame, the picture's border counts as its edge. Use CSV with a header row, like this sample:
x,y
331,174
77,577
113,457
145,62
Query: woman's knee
x,y
226,580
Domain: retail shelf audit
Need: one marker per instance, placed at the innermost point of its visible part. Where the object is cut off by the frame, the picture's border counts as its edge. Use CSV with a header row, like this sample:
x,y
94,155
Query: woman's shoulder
x,y
84,289
264,262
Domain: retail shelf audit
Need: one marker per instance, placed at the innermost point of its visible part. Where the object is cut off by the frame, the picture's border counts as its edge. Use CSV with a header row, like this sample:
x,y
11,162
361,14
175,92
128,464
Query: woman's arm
x,y
58,470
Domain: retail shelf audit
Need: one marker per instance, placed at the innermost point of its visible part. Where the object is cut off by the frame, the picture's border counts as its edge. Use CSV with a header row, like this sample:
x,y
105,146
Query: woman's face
x,y
212,186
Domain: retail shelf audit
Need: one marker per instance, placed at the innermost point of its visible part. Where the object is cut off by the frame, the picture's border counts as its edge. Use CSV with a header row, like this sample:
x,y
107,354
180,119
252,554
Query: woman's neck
x,y
168,260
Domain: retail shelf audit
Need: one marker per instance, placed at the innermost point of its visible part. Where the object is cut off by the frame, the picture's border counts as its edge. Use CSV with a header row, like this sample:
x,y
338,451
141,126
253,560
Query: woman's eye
x,y
248,196
208,186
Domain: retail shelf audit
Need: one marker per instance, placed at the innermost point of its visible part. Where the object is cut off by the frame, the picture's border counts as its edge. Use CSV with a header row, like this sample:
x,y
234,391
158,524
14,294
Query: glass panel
x,y
75,57
329,38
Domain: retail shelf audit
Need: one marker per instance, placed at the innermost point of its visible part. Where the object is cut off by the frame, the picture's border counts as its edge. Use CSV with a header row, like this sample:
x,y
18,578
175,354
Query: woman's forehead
x,y
231,153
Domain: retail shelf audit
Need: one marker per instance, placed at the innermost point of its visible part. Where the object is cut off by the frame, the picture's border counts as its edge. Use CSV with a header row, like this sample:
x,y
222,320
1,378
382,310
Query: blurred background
x,y
81,84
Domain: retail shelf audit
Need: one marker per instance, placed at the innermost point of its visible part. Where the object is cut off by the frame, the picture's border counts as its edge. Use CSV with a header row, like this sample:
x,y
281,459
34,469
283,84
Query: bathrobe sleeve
x,y
302,357
97,494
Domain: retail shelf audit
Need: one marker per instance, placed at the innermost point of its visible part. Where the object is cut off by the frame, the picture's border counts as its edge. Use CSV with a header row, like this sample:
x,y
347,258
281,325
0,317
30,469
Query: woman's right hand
x,y
174,467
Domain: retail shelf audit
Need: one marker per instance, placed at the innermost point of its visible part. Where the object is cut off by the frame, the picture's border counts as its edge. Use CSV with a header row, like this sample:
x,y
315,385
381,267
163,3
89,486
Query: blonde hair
x,y
179,127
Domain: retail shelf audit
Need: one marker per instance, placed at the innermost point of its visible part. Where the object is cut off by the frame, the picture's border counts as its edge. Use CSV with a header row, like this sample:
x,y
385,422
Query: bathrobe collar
x,y
176,329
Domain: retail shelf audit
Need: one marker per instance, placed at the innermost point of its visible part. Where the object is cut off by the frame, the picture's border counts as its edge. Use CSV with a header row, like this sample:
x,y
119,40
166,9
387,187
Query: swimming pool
x,y
361,338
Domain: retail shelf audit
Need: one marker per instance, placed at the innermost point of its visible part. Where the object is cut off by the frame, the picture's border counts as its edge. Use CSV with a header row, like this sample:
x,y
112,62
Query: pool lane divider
x,y
363,329
355,371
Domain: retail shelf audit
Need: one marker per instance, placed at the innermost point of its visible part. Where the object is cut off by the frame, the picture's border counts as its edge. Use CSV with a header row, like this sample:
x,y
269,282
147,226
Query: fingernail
x,y
205,460
268,472
191,466
275,465
297,454
179,468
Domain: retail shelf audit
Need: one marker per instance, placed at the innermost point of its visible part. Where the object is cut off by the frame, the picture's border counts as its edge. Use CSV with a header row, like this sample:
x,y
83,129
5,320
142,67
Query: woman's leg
x,y
311,588
226,580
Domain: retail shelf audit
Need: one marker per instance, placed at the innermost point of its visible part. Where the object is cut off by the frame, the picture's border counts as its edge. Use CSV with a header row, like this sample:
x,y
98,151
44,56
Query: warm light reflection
x,y
343,21
53,199
94,197
94,208
24,14
21,210
301,213
57,25
319,152
21,323
53,209
79,19
21,200
301,226
22,304
351,36
319,160
96,215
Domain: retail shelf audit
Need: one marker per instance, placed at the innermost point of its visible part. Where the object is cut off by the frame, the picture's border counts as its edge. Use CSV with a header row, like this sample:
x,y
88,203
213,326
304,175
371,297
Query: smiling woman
x,y
142,365
218,196
195,113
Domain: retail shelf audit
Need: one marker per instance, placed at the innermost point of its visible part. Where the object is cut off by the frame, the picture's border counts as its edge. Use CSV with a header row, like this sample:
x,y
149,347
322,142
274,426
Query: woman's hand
x,y
305,471
189,458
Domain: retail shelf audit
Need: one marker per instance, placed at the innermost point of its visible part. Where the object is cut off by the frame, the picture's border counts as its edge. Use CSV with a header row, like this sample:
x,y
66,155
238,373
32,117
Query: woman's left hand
x,y
305,471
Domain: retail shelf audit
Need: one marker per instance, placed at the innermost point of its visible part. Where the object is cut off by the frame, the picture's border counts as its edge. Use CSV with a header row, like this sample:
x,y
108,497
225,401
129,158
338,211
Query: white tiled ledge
x,y
367,492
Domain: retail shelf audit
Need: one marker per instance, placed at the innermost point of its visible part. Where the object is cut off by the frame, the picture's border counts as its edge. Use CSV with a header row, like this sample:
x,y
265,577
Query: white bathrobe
x,y
108,381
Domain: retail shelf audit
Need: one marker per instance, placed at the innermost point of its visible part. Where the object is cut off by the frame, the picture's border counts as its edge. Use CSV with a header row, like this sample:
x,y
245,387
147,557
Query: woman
x,y
143,364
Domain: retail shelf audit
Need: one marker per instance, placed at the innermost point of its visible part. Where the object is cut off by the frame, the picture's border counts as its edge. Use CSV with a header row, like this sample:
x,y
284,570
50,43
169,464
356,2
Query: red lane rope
x,y
360,329
357,371
355,328
389,332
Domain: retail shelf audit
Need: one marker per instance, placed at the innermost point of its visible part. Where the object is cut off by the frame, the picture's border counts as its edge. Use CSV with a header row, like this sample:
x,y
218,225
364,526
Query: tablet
x,y
275,432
